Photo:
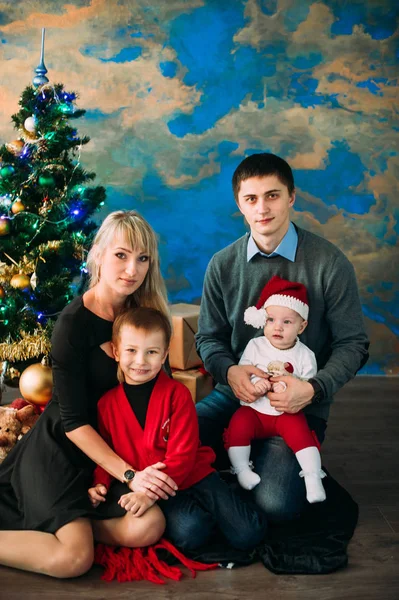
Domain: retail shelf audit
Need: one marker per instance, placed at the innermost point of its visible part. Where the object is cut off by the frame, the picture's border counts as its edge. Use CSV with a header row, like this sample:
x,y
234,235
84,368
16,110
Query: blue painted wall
x,y
179,92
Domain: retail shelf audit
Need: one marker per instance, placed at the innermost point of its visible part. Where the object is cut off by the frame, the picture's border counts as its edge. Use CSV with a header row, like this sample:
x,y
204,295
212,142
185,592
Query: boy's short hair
x,y
145,318
149,319
262,165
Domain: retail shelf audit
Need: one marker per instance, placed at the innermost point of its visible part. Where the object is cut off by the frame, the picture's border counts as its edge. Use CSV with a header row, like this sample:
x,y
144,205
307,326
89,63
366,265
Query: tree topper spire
x,y
41,70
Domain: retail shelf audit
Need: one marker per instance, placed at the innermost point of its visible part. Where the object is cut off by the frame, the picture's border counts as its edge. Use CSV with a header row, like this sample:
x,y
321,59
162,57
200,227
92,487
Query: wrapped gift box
x,y
182,353
199,384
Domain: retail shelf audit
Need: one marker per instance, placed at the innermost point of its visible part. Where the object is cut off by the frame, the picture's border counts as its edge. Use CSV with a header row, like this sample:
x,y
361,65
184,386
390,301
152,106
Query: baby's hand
x,y
136,502
262,386
279,387
97,494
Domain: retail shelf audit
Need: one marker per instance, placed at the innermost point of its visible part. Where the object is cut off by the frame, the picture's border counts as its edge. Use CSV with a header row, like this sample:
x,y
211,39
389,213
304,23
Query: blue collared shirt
x,y
286,248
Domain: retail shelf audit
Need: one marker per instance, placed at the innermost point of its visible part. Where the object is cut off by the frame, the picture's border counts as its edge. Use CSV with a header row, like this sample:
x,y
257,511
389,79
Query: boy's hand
x,y
97,494
136,502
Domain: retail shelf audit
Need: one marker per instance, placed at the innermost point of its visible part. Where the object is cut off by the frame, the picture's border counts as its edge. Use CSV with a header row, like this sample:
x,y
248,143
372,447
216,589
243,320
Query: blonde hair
x,y
145,318
140,236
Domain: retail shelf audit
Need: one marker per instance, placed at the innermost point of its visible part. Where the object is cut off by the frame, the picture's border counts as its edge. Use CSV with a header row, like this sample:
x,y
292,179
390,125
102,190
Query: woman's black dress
x,y
45,478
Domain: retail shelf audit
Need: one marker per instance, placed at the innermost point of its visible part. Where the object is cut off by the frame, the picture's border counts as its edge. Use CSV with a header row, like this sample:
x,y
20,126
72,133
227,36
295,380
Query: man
x,y
264,190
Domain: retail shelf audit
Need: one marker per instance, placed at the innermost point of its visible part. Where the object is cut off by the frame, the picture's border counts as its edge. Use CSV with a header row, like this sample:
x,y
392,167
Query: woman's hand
x,y
97,494
153,482
136,502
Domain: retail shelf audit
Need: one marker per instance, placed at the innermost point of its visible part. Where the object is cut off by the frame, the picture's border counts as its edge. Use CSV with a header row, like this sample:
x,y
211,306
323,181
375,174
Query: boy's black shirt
x,y
139,398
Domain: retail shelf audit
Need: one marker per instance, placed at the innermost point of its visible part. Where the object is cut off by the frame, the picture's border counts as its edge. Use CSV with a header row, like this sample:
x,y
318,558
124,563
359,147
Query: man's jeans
x,y
281,492
194,514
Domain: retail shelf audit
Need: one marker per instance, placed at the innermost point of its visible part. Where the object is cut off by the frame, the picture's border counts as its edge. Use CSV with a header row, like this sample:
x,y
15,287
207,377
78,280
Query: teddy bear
x,y
13,425
278,367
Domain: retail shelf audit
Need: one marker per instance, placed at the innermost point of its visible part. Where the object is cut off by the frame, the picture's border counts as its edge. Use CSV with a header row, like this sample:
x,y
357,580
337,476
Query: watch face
x,y
128,475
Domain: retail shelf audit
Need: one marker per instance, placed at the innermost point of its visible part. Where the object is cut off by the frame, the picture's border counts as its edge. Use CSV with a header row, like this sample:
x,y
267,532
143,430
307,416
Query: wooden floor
x,y
362,452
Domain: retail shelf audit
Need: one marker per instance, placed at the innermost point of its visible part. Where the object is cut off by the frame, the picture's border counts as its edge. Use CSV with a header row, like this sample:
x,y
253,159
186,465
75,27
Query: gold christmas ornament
x,y
15,147
4,226
2,292
36,383
17,207
20,282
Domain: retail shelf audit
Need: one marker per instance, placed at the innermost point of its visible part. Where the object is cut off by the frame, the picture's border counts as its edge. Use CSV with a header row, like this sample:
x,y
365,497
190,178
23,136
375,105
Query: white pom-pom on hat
x,y
255,317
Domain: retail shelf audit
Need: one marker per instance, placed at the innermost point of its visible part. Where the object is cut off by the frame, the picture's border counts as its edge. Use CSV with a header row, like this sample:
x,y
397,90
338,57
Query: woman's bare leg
x,y
67,553
129,531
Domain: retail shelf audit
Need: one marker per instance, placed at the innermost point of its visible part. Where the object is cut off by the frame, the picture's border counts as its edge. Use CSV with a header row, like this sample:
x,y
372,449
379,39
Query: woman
x,y
45,513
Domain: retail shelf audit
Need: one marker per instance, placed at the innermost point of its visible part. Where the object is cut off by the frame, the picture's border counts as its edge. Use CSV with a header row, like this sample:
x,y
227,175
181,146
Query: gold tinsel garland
x,y
53,245
29,137
31,345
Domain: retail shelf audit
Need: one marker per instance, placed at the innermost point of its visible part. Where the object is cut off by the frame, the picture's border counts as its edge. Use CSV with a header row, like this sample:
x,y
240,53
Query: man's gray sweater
x,y
335,331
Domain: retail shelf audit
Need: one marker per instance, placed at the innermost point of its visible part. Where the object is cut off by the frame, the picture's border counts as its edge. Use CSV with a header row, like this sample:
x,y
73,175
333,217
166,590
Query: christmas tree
x,y
46,228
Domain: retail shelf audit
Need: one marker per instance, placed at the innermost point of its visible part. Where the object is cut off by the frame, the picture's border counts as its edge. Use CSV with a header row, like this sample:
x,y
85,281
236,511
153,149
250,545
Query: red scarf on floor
x,y
136,564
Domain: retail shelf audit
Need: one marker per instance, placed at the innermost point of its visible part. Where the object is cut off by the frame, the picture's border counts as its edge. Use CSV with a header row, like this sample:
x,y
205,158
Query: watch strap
x,y
318,395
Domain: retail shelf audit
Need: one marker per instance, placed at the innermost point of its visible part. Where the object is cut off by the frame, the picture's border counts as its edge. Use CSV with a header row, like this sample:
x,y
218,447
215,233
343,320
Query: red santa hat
x,y
278,292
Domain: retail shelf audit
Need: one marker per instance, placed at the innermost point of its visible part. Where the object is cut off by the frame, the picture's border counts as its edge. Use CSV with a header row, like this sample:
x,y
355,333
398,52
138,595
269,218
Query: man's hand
x,y
297,395
97,494
239,379
153,482
136,502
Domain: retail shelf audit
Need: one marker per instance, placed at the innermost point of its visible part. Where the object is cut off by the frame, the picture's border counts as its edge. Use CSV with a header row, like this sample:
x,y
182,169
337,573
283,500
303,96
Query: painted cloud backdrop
x,y
178,92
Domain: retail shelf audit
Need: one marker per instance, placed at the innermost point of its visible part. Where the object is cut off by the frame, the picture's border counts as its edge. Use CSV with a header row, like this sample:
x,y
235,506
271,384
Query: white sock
x,y
310,462
239,458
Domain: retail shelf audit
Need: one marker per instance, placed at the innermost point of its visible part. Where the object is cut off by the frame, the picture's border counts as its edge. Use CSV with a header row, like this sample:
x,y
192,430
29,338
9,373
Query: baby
x,y
282,311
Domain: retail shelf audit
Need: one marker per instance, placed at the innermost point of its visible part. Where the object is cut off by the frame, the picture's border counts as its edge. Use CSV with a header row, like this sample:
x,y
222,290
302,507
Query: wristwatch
x,y
128,476
318,395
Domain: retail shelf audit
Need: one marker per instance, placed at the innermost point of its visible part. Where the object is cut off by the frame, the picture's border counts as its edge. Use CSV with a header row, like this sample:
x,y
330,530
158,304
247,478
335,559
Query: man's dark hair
x,y
262,165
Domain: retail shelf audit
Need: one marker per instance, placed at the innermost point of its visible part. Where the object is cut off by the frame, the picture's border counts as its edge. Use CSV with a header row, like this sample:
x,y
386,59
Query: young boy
x,y
282,311
150,417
